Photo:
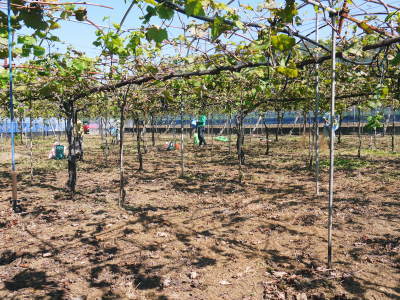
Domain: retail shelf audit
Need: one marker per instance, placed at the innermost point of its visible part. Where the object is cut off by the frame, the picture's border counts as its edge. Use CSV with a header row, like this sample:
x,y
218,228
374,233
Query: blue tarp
x,y
292,117
38,125
271,118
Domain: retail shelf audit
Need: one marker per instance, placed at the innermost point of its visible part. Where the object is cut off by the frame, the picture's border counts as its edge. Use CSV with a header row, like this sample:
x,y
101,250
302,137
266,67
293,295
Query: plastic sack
x,y
196,139
221,139
59,152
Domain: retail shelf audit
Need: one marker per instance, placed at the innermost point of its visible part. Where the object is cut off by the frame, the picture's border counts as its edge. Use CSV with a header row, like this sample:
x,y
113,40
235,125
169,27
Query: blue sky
x,y
82,35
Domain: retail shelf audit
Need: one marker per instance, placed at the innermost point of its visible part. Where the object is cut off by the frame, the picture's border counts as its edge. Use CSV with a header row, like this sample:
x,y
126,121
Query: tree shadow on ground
x,y
201,186
152,208
5,181
143,278
228,217
29,279
353,286
7,257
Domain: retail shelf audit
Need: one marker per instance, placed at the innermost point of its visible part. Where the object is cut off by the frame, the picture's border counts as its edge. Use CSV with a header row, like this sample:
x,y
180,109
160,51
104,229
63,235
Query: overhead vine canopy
x,y
183,39
234,36
41,18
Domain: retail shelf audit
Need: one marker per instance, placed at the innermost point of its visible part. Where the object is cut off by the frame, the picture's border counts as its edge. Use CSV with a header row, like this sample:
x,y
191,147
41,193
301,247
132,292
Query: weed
x,y
342,163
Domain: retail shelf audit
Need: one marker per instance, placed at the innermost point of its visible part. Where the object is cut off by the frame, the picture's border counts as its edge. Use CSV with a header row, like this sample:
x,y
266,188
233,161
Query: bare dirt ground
x,y
203,236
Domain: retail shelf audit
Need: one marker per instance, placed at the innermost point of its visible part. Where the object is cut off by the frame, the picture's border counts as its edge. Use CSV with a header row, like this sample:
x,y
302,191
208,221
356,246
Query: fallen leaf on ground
x,y
279,274
166,282
161,234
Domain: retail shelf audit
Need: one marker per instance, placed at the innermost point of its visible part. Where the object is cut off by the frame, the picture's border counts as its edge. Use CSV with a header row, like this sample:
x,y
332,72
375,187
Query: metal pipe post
x,y
332,142
10,68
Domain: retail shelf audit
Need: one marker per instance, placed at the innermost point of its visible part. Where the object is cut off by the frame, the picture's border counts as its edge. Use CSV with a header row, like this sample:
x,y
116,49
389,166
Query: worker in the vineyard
x,y
193,126
86,129
201,123
79,140
115,132
327,126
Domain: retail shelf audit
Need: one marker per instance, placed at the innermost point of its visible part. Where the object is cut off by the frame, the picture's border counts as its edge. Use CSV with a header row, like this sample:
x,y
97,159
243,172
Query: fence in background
x,y
53,126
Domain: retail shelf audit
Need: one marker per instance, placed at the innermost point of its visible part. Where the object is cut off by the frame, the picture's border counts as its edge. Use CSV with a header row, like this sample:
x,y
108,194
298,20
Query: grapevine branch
x,y
248,24
217,70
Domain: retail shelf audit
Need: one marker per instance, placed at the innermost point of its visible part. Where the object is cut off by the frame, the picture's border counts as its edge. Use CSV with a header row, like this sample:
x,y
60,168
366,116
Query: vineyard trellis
x,y
262,73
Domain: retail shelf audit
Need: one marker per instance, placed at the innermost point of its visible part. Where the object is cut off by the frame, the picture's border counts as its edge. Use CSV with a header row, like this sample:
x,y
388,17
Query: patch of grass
x,y
342,163
49,165
381,152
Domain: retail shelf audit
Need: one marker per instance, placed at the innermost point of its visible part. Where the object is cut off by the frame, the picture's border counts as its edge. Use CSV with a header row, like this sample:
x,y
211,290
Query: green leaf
x,y
117,26
194,8
374,122
54,38
54,25
373,104
4,52
384,92
26,40
288,13
69,7
282,42
79,65
396,60
97,43
134,41
258,72
165,12
218,27
40,34
38,51
33,18
239,25
248,7
289,72
151,12
4,75
151,2
26,51
80,14
64,15
157,35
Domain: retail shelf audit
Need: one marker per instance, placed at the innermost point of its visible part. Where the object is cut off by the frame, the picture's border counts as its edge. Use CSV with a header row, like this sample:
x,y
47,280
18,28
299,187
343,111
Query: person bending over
x,y
201,130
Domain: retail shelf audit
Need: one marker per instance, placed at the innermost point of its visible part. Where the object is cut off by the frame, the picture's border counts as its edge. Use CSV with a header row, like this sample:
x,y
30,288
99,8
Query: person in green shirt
x,y
200,129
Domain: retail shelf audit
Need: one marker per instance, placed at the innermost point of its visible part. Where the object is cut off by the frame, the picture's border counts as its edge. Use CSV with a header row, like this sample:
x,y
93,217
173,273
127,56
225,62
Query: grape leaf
x,y
165,12
282,42
396,60
218,27
38,51
157,35
194,8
